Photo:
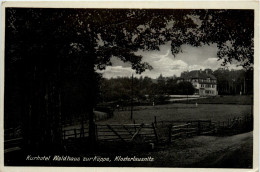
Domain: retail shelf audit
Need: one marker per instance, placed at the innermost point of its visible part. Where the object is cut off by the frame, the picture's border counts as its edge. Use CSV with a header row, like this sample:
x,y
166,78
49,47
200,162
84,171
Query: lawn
x,y
220,108
239,100
178,111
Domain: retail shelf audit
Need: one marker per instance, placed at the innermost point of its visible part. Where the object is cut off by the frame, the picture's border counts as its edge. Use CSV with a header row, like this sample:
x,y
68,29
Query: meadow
x,y
180,111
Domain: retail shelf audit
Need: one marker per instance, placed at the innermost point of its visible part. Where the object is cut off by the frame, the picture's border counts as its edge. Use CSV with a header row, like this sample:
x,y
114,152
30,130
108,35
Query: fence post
x,y
199,128
155,133
64,134
96,132
81,134
155,121
187,131
170,133
134,126
75,133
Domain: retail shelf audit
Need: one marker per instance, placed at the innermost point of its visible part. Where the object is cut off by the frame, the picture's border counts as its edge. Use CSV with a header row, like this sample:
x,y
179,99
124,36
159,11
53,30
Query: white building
x,y
204,82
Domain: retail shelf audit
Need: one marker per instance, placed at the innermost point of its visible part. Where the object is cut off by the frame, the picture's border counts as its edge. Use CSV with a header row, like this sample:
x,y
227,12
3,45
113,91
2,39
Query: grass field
x,y
239,100
219,108
214,112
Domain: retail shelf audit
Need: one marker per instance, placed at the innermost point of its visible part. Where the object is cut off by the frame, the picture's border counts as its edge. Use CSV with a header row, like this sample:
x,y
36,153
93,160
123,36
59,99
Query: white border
x,y
188,4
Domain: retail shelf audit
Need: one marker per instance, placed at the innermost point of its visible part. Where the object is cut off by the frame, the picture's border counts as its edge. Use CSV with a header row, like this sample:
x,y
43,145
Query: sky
x,y
163,62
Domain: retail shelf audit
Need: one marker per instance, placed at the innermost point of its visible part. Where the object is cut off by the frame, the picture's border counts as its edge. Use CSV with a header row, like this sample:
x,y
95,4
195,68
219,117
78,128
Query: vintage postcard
x,y
129,86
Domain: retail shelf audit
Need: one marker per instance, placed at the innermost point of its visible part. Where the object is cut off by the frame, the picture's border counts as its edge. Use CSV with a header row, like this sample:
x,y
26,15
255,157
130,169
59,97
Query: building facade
x,y
204,82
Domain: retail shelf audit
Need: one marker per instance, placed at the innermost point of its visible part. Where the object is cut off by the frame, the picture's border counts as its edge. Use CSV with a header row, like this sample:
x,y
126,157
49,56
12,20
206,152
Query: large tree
x,y
232,31
49,49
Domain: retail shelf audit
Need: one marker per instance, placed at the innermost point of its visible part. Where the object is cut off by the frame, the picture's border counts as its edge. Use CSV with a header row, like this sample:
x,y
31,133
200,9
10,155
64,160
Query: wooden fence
x,y
117,132
180,131
11,145
235,125
127,132
156,132
75,133
163,131
11,133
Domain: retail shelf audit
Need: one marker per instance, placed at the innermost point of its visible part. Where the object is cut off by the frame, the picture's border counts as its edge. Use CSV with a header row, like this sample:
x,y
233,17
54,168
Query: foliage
x,y
145,90
185,88
234,81
232,31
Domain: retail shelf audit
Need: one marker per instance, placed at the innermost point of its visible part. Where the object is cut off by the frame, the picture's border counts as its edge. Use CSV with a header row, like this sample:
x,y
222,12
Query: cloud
x,y
212,63
163,62
197,55
117,62
117,71
196,67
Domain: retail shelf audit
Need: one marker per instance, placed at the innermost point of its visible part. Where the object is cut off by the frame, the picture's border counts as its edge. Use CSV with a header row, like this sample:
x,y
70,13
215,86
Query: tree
x,y
65,47
171,86
232,31
234,81
185,88
161,85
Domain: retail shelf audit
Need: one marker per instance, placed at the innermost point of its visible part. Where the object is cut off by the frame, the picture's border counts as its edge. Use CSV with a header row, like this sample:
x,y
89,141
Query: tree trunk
x,y
92,127
42,112
91,97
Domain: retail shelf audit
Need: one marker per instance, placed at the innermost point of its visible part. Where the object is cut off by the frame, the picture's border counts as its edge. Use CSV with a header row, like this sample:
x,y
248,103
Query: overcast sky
x,y
163,62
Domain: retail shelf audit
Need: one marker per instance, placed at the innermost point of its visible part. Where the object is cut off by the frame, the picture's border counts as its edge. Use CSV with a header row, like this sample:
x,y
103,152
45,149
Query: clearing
x,y
178,111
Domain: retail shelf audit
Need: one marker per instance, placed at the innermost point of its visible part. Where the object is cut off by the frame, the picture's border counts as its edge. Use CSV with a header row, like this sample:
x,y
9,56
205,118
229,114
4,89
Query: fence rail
x,y
11,145
156,132
159,131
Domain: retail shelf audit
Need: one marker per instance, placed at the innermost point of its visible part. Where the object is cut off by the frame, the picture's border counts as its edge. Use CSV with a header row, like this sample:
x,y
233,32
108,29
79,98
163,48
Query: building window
x,y
209,92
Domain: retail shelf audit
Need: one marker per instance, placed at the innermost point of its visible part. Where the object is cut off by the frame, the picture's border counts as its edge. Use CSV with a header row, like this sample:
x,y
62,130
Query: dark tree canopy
x,y
233,31
121,32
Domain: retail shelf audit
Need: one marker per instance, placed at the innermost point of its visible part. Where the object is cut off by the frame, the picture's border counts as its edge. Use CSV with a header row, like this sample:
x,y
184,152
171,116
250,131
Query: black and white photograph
x,y
129,87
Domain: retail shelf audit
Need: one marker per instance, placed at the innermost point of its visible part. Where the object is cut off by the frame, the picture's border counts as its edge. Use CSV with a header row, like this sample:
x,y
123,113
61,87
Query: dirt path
x,y
208,151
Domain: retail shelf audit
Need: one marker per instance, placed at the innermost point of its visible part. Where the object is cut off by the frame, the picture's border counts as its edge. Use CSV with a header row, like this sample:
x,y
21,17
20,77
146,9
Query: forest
x,y
147,90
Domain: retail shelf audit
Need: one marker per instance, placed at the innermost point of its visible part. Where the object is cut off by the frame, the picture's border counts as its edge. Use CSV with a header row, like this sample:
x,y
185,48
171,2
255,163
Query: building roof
x,y
197,74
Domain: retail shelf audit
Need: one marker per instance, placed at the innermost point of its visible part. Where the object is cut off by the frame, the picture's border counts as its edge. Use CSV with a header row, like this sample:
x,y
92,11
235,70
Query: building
x,y
204,82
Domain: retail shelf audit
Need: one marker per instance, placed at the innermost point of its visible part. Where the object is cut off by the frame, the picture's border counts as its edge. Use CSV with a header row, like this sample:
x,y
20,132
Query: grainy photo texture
x,y
128,87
